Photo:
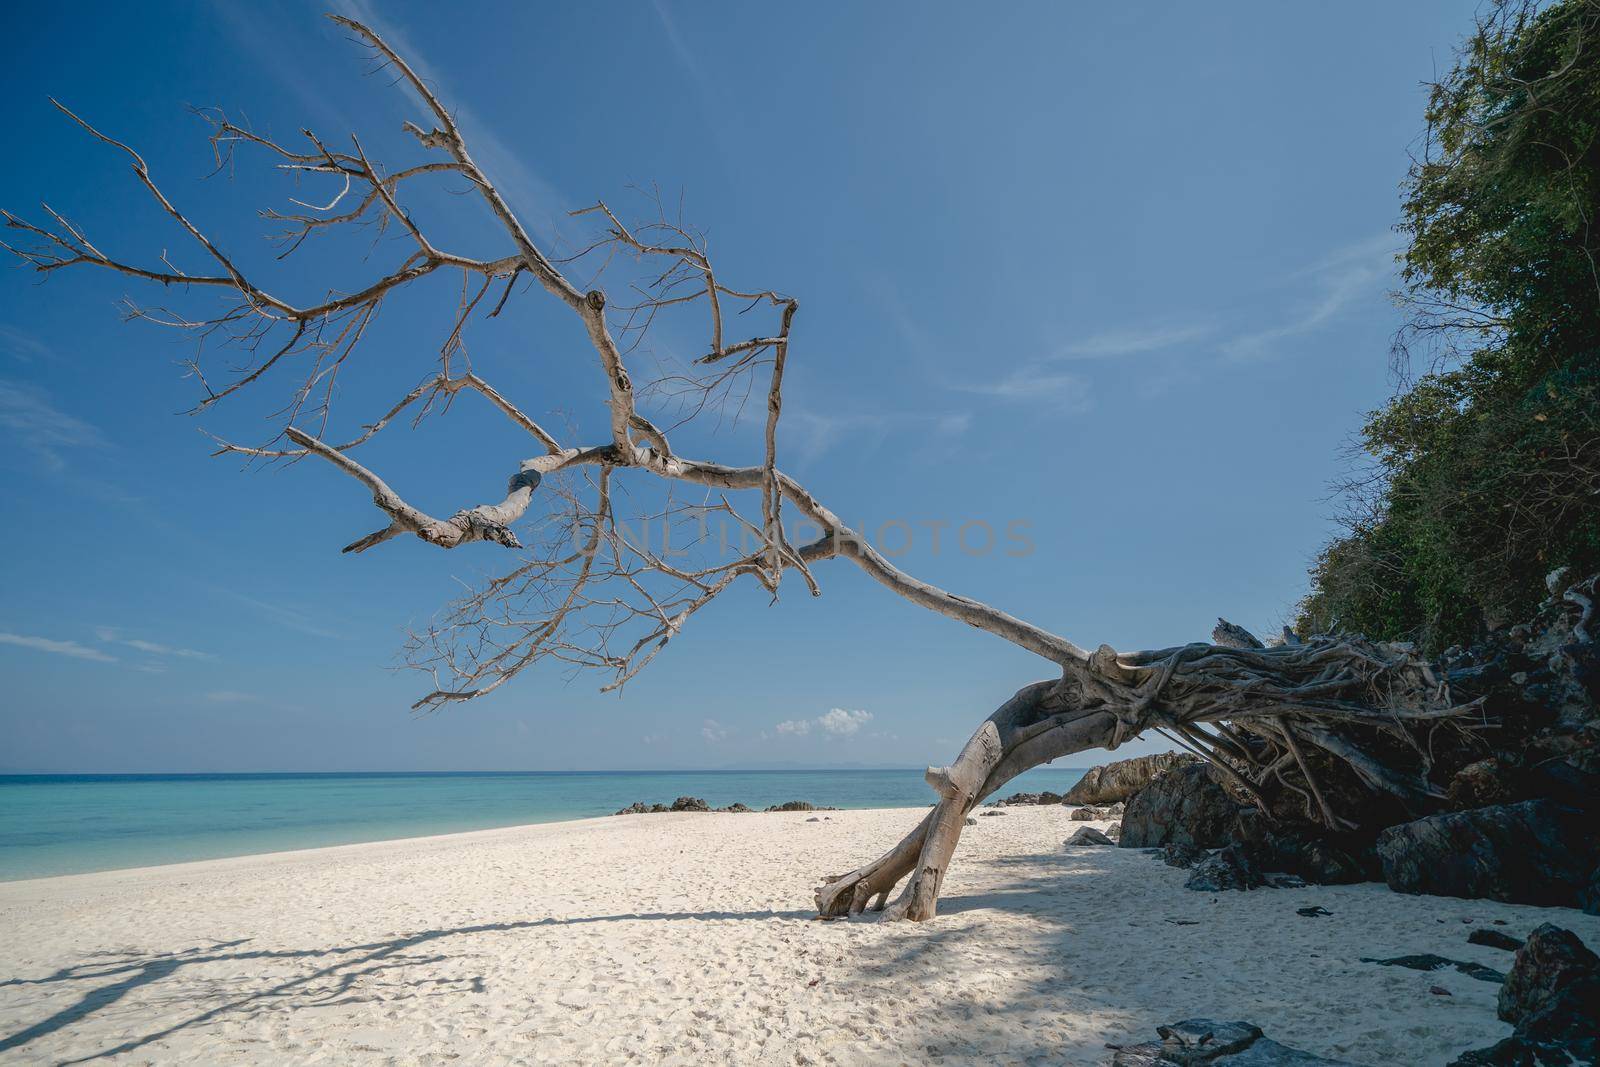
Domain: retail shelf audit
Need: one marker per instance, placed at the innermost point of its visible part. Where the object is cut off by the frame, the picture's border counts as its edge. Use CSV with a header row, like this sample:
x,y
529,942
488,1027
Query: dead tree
x,y
587,593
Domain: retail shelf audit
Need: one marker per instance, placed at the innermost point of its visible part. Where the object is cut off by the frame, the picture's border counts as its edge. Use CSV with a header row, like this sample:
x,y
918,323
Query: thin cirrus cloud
x,y
112,636
37,426
1037,383
1348,275
71,649
838,722
1115,344
809,434
1326,289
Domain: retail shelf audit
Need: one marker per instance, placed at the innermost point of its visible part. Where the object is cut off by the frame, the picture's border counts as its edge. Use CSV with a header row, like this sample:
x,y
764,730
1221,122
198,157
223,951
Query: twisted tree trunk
x,y
1276,701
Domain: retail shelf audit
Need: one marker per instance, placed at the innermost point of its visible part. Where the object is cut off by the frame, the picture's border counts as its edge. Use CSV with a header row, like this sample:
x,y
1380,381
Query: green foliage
x,y
1488,467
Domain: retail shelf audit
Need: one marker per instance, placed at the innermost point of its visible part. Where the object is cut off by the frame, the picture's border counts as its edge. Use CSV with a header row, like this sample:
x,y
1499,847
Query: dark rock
x,y
1226,1044
1029,799
991,811
1120,780
1427,961
1088,835
1185,805
799,805
1534,852
1589,900
1488,781
690,804
1494,939
1549,963
1313,912
737,807
1230,868
1114,831
1086,815
638,807
1116,809
1319,858
971,821
1552,997
1181,855
813,819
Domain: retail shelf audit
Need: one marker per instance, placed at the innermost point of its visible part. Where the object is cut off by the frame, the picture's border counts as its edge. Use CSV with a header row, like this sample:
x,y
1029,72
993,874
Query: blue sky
x,y
1117,272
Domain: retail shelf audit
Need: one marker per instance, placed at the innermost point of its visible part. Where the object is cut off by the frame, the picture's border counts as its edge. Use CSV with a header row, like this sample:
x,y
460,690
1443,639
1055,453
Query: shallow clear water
x,y
70,824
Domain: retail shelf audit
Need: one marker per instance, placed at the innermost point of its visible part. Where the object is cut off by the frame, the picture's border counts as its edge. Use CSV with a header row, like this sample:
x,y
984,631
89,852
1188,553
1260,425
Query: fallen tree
x,y
587,594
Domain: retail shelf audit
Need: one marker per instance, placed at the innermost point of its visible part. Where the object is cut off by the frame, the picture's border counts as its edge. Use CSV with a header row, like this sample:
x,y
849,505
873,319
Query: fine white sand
x,y
688,938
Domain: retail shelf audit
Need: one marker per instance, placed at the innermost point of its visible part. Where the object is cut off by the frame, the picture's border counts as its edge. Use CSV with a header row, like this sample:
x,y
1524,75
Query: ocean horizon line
x,y
757,769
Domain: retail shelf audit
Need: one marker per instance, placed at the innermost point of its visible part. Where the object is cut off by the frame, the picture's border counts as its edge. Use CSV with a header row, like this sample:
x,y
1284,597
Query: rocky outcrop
x,y
689,804
1087,815
799,805
1552,998
1547,967
1182,855
1533,852
1120,780
1229,868
1027,799
1186,805
1088,835
639,807
1195,1042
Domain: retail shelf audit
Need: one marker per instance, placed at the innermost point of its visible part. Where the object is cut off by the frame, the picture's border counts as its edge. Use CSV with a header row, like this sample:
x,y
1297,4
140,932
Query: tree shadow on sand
x,y
105,978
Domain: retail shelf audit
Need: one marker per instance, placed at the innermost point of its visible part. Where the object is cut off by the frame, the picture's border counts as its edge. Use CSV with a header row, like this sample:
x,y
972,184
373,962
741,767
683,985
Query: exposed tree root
x,y
1276,702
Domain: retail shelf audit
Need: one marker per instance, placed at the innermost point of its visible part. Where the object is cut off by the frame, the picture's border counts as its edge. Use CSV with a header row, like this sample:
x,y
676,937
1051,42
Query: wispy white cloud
x,y
1350,274
837,722
809,434
112,636
1038,383
37,426
282,615
1115,344
56,648
23,346
713,731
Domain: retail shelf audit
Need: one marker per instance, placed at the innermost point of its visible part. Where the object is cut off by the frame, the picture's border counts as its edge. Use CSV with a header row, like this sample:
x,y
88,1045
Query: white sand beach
x,y
688,938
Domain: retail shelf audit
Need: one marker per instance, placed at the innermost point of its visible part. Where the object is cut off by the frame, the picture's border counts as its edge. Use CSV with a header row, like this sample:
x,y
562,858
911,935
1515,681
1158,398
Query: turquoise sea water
x,y
70,824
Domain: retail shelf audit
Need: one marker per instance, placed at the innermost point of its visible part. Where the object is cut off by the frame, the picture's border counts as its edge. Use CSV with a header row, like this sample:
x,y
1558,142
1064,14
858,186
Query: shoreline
x,y
690,937
61,826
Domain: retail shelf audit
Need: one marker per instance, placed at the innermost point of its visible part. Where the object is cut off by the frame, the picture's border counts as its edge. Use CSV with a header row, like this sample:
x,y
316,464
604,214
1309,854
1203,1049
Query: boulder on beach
x,y
1088,835
1182,855
1194,1042
690,804
1027,799
1086,815
1112,782
1533,852
799,805
1185,805
1229,868
1552,998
